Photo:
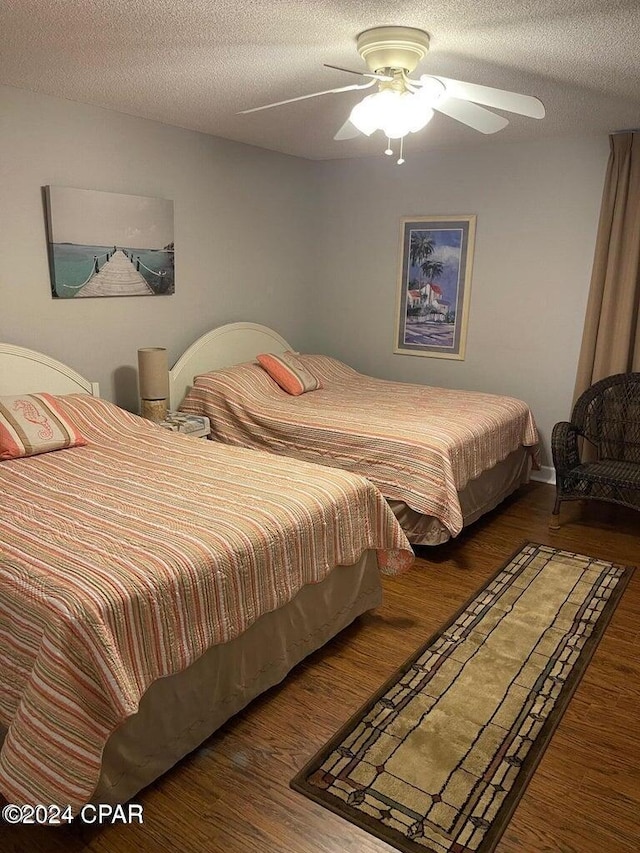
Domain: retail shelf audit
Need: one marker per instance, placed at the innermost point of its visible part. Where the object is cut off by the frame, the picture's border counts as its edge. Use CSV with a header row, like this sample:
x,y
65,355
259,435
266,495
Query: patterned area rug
x,y
438,759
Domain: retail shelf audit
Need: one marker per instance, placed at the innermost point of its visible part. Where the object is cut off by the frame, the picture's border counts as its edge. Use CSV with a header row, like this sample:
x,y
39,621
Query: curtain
x,y
611,337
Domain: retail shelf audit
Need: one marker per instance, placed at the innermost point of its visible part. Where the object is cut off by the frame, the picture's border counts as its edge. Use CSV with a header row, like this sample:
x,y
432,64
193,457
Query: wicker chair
x,y
607,416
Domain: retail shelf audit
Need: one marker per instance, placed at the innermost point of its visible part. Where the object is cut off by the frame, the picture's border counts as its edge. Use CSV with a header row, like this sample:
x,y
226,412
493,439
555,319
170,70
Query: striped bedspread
x,y
418,444
123,561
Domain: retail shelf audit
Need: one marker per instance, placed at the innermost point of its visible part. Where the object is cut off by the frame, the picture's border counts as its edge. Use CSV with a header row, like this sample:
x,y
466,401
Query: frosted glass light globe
x,y
364,115
394,113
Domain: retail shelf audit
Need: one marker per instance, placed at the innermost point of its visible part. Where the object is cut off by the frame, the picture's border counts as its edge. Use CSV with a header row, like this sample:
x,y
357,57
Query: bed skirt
x,y
179,712
479,496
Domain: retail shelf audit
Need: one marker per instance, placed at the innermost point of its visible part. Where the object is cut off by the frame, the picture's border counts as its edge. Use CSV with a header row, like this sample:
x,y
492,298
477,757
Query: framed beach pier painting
x,y
109,244
434,285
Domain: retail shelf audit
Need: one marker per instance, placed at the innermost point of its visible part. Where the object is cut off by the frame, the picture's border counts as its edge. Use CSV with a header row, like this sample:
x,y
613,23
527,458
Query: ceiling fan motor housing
x,y
393,47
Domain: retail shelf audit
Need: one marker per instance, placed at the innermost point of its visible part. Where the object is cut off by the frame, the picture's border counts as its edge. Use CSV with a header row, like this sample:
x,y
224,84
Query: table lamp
x,y
153,378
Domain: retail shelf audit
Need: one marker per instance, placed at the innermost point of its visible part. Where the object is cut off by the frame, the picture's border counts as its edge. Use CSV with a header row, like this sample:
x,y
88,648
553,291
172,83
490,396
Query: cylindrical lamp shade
x,y
153,371
153,377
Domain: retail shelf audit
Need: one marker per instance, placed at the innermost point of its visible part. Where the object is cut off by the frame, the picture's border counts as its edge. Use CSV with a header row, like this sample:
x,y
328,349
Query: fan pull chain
x,y
389,149
401,158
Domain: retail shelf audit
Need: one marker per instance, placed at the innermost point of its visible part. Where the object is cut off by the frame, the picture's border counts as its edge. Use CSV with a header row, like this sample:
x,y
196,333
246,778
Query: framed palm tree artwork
x,y
434,285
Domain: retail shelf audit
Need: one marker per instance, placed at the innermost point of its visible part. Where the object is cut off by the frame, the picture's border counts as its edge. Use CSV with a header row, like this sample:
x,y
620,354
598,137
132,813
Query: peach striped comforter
x,y
418,444
123,561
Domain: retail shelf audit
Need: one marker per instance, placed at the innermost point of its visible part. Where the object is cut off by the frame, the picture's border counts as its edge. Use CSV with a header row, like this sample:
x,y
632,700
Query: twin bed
x,y
441,457
152,584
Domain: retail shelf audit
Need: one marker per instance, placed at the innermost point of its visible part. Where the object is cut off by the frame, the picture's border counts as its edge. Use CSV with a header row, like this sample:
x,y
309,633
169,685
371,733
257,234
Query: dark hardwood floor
x,y
233,794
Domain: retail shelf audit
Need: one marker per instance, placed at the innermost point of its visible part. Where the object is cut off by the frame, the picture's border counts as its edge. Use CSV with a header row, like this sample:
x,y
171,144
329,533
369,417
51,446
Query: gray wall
x,y
244,218
537,206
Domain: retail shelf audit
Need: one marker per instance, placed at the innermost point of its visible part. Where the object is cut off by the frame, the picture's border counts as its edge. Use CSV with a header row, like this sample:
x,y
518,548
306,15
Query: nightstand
x,y
196,426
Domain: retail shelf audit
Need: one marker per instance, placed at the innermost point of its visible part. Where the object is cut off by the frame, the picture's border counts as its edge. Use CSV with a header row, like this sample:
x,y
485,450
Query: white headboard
x,y
222,347
25,371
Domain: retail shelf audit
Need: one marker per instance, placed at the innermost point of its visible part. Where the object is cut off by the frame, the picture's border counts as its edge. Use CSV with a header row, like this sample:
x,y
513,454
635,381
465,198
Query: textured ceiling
x,y
195,63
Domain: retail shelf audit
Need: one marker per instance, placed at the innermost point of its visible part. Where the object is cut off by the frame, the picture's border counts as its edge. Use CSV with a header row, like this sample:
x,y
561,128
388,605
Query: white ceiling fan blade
x,y
476,117
512,102
385,77
347,131
312,95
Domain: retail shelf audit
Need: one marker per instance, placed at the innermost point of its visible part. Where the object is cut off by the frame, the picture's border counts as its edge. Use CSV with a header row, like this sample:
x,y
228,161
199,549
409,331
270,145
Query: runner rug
x,y
438,759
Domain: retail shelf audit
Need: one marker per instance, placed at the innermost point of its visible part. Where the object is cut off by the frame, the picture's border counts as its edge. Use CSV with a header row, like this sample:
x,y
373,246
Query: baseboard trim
x,y
546,474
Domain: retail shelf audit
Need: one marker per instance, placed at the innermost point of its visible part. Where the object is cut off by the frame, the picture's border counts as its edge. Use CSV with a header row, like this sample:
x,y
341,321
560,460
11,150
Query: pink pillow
x,y
34,423
289,372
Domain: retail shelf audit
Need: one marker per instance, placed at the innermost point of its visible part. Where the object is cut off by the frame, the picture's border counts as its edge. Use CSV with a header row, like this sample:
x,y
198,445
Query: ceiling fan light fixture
x,y
394,113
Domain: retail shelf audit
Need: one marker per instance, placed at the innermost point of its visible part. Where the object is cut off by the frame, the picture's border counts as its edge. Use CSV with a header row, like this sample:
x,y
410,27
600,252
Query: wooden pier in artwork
x,y
118,277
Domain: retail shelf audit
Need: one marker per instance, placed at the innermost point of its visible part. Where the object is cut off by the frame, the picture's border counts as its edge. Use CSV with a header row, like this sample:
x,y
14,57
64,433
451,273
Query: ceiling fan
x,y
401,104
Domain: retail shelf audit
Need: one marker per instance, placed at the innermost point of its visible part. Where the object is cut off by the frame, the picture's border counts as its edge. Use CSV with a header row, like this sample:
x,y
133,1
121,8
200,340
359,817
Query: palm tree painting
x,y
434,285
